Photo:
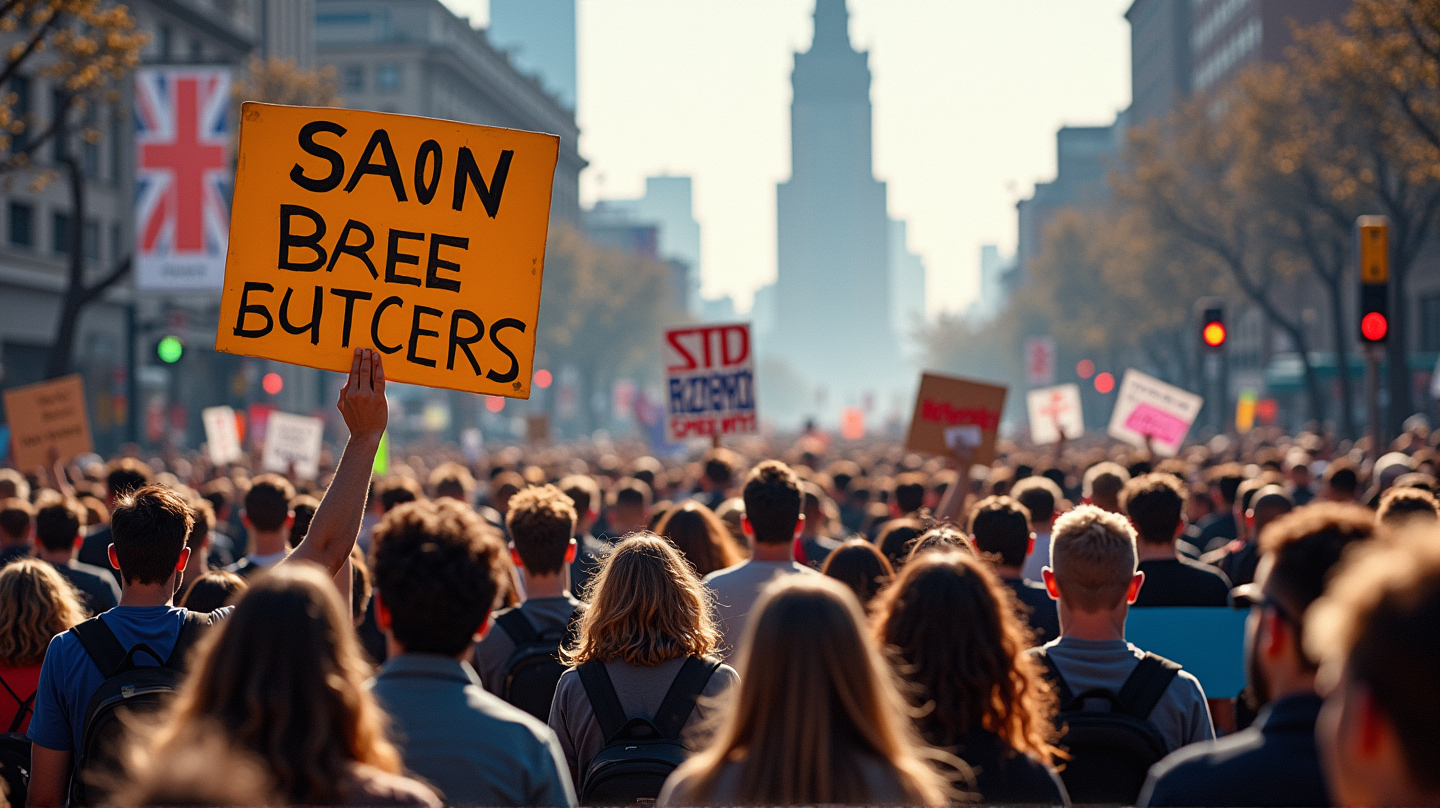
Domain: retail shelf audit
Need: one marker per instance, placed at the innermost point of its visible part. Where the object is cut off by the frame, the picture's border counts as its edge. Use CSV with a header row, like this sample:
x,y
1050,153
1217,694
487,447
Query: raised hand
x,y
362,399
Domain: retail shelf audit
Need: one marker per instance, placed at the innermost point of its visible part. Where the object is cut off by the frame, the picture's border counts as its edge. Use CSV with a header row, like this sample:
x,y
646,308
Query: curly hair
x,y
541,521
968,672
41,604
648,607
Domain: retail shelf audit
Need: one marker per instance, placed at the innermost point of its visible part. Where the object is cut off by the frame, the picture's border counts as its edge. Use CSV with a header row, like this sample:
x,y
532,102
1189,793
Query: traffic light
x,y
169,349
1212,329
1372,234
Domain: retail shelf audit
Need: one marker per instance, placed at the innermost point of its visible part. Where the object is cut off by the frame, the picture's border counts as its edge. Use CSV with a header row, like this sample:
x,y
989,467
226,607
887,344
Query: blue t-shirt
x,y
69,678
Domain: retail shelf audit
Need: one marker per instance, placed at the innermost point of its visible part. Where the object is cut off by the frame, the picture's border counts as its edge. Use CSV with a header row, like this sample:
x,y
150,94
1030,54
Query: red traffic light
x,y
1374,326
1213,334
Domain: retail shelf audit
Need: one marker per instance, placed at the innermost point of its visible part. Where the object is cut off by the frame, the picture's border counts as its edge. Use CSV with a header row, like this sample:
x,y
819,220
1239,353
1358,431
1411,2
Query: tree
x,y
279,81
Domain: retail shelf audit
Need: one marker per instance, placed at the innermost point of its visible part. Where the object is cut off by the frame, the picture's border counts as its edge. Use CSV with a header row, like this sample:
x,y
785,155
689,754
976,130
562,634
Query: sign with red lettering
x,y
1055,414
1040,361
1149,411
710,381
956,417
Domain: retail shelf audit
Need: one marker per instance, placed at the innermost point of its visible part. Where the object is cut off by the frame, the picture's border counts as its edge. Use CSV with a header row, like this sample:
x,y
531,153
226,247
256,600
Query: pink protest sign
x,y
1157,424
1149,412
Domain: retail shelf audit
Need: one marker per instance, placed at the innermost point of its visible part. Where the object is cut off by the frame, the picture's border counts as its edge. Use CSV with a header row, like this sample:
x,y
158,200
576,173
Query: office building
x,y
539,37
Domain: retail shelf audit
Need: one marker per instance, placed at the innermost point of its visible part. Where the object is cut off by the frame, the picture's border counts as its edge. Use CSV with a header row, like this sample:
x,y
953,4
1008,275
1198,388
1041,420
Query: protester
x,y
808,661
452,481
267,518
57,541
396,490
199,543
17,530
859,565
979,694
1238,559
630,503
1341,482
582,490
13,485
1000,527
302,510
39,604
648,618
1154,504
1040,496
699,536
1102,484
940,537
771,522
212,590
122,476
1400,506
897,538
1223,527
717,478
816,544
436,569
1274,762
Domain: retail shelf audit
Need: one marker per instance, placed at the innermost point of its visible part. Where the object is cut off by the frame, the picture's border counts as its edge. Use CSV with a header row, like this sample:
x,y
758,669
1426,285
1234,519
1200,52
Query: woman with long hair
x,y
283,680
38,603
700,537
817,718
859,565
649,614
950,626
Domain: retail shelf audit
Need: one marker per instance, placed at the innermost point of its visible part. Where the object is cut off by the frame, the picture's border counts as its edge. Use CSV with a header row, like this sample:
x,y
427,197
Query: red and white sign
x,y
1148,410
1055,414
222,435
709,381
1040,361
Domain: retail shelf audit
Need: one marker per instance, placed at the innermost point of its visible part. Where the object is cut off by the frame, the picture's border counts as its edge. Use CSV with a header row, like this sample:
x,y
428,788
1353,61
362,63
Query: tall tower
x,y
833,299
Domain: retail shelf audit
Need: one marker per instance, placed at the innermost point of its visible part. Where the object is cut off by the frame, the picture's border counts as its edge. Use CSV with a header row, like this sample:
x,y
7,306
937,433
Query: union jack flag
x,y
182,177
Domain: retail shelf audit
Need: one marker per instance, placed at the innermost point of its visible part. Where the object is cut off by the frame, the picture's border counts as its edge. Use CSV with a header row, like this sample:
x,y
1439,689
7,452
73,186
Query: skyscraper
x,y
833,292
540,37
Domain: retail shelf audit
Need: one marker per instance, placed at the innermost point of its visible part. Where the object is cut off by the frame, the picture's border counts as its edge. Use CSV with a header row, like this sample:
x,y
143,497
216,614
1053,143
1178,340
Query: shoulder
x,y
721,680
1187,688
370,786
720,576
1189,771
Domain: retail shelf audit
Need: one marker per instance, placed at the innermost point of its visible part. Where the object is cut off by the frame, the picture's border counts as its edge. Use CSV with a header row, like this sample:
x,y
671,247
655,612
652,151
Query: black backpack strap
x,y
1062,690
102,645
603,699
685,690
195,626
26,705
1147,684
516,627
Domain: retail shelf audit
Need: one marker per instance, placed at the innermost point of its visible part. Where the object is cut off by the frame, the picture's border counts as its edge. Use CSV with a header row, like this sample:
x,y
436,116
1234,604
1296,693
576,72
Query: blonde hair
x,y
647,608
1092,553
283,680
39,603
815,698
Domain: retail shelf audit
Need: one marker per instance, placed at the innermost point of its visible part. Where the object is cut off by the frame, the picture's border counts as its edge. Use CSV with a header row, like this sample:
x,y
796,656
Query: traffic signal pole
x,y
1372,240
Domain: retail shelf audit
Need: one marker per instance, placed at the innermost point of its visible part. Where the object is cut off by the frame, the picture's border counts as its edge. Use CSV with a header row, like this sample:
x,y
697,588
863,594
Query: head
x,y
1269,503
1376,634
397,490
285,682
1342,481
940,537
1225,481
1093,568
1040,496
1199,504
452,481
17,522
909,494
1398,506
302,512
125,475
1102,484
718,470
13,485
813,507
631,500
897,538
1155,504
1000,528
541,521
503,486
973,673
815,697
220,493
267,504
40,604
772,504
57,525
582,490
861,566
150,530
700,537
213,589
647,607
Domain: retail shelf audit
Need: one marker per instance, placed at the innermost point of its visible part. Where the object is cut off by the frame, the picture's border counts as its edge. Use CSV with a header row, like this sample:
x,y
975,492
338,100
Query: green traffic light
x,y
169,350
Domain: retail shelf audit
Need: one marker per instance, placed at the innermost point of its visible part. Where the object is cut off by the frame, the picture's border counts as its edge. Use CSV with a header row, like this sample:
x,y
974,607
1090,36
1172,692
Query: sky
x,y
967,96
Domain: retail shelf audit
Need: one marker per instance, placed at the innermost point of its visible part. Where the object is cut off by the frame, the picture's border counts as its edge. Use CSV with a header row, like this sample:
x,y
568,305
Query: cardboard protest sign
x,y
1149,408
293,440
956,417
1054,410
537,429
422,239
222,435
710,381
48,422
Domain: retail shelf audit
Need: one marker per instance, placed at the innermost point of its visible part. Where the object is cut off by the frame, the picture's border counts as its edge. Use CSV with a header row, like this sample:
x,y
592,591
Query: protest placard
x,y
1040,361
956,417
852,423
222,435
537,429
293,441
710,381
1149,410
421,239
1055,414
48,422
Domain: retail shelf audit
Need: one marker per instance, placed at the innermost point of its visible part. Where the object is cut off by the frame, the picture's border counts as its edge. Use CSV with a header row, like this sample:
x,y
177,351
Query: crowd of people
x,y
768,624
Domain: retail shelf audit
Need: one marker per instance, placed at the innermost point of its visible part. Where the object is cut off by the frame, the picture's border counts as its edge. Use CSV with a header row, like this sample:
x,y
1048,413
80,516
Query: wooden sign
x,y
48,422
956,417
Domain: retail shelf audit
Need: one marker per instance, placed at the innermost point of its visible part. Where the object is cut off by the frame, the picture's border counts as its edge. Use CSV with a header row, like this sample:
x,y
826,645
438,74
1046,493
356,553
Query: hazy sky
x,y
967,95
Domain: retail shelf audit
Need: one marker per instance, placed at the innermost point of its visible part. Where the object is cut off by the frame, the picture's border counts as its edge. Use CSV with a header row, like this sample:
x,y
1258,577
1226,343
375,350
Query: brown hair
x,y
951,627
541,520
772,502
40,603
452,481
860,566
397,490
1039,495
126,474
150,527
942,537
16,516
284,680
647,607
57,524
815,698
303,508
1401,505
1155,504
1092,553
204,515
211,590
267,503
582,490
700,537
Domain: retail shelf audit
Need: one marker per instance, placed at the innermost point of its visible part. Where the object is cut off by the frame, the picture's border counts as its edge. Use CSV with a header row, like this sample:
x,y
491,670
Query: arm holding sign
x,y
337,521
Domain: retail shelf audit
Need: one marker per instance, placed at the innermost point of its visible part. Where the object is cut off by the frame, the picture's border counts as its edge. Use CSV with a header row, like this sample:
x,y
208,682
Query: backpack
x,y
128,689
533,669
15,750
638,755
1110,737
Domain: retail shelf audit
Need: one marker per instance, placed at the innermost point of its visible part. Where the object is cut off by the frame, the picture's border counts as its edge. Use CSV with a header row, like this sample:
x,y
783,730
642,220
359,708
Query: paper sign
x,y
422,239
1148,407
1040,361
293,440
222,435
48,422
956,416
710,381
852,423
1053,410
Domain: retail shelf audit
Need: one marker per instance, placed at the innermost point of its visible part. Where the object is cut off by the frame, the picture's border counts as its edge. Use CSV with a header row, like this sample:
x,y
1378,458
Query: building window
x,y
59,142
22,225
387,77
1430,322
352,79
20,86
162,43
92,240
60,233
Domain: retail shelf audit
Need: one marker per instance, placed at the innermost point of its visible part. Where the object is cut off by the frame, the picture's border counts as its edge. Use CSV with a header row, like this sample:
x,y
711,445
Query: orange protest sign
x,y
422,239
956,417
47,422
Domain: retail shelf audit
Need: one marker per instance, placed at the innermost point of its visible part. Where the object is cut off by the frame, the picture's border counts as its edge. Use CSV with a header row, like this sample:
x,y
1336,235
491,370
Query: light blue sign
x,y
1207,642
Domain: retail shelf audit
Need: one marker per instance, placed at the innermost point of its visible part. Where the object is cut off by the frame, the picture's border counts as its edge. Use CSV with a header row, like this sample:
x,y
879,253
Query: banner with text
x,y
709,381
222,435
48,422
293,442
1149,410
422,239
1055,414
956,417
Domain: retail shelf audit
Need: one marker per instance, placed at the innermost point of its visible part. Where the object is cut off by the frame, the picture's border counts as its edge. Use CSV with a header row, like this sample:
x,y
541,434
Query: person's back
x,y
436,568
1040,496
1000,527
1155,504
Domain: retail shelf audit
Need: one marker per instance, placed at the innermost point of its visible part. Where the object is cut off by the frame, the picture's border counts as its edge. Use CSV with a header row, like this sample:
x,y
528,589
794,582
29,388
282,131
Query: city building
x,y
539,37
1159,57
993,295
666,208
907,290
1084,157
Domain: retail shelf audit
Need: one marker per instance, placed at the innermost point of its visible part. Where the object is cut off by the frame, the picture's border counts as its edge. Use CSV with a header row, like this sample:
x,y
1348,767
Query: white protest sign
x,y
1149,408
222,435
710,381
1040,361
1054,410
293,440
